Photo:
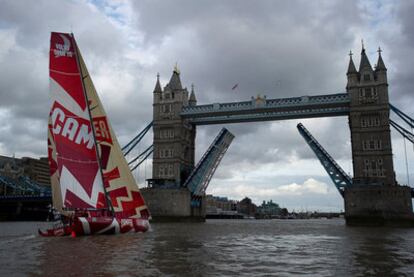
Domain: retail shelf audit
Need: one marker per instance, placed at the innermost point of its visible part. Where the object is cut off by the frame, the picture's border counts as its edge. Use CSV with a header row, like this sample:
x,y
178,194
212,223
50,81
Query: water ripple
x,y
215,248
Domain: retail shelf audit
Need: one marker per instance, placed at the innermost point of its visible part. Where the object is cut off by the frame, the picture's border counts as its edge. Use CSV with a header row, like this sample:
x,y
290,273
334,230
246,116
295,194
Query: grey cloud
x,y
290,51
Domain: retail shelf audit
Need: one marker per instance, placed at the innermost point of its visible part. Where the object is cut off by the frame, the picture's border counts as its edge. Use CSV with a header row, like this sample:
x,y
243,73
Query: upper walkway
x,y
262,109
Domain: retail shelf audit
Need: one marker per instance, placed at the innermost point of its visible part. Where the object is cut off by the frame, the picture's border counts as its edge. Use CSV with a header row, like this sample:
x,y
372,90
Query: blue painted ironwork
x,y
147,152
335,172
403,116
404,132
149,149
200,177
23,186
271,115
26,197
261,109
131,145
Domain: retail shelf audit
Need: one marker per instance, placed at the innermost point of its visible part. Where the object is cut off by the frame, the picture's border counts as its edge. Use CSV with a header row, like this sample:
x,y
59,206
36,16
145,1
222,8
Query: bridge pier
x,y
378,205
173,205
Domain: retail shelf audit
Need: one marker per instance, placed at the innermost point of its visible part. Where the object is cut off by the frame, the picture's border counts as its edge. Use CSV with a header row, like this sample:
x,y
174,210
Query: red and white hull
x,y
102,225
108,225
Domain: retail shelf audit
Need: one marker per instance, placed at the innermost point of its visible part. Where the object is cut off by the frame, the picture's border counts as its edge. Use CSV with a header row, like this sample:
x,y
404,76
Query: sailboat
x,y
93,187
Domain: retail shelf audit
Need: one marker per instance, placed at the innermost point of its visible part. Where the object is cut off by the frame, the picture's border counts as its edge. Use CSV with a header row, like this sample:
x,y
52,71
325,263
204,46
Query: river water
x,y
215,248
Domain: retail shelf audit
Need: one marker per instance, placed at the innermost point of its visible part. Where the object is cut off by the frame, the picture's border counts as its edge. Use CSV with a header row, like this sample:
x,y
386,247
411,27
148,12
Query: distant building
x,y
11,167
269,209
36,169
216,204
247,207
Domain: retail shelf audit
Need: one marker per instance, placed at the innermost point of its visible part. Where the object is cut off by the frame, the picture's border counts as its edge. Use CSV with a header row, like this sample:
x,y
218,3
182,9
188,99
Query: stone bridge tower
x,y
173,157
369,123
375,196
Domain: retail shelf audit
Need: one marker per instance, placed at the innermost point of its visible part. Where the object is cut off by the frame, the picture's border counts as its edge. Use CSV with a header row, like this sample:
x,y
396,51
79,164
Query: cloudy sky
x,y
272,48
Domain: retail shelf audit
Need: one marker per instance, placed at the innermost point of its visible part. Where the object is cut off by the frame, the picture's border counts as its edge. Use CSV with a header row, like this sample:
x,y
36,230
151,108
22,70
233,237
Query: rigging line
x,y
78,58
406,162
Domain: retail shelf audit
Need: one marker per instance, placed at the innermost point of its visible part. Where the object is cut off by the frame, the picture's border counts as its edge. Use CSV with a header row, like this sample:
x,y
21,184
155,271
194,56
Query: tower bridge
x,y
372,195
178,184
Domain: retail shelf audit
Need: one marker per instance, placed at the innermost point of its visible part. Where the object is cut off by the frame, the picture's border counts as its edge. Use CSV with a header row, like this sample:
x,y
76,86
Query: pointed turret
x,y
351,66
157,88
366,74
175,82
364,64
192,101
352,73
380,63
381,70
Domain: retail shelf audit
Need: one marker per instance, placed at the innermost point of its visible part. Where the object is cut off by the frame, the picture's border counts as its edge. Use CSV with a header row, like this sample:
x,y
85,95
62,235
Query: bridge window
x,y
368,95
373,168
367,77
161,171
372,144
166,170
380,168
170,170
363,121
370,121
167,133
167,108
166,153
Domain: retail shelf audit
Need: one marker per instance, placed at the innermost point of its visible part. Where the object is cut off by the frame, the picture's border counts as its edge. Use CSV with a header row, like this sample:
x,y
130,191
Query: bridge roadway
x,y
262,109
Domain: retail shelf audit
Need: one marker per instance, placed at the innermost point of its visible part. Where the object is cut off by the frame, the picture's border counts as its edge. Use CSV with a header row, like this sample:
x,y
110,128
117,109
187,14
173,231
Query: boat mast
x,y
108,199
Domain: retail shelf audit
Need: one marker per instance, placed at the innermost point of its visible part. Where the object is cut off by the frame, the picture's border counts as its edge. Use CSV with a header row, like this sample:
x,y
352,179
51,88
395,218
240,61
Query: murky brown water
x,y
215,248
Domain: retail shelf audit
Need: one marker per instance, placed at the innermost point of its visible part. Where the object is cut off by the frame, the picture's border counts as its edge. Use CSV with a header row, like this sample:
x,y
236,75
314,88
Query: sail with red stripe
x,y
87,167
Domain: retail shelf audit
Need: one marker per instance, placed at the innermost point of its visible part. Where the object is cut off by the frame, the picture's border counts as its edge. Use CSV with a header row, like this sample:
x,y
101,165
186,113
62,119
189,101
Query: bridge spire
x,y
380,62
192,101
364,64
175,82
157,84
351,66
381,70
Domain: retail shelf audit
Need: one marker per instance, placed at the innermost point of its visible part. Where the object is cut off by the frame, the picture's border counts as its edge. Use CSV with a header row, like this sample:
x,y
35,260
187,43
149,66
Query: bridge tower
x,y
173,158
375,194
369,123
